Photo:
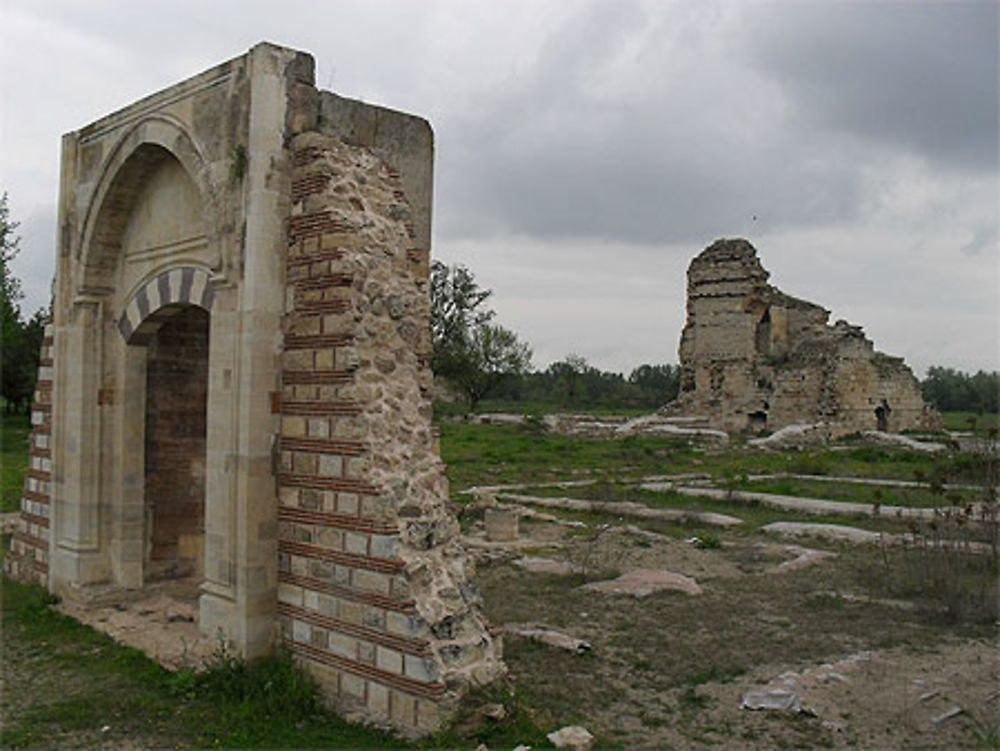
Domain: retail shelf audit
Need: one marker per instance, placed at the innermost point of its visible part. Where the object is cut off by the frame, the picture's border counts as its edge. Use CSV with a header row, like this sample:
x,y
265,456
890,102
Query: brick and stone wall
x,y
373,588
754,358
243,391
28,557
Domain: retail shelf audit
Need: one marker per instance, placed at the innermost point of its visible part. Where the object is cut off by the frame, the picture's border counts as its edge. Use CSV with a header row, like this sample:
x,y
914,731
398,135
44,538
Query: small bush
x,y
274,686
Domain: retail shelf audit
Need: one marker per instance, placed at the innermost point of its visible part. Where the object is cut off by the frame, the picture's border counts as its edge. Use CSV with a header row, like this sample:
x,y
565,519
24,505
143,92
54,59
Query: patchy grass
x,y
970,420
651,656
493,454
655,661
77,688
14,431
69,686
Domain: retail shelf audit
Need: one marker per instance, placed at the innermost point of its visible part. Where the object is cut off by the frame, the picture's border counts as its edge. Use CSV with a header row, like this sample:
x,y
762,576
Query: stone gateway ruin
x,y
753,358
235,388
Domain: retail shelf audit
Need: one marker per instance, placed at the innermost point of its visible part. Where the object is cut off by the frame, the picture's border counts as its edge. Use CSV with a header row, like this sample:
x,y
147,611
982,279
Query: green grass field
x,y
14,431
970,420
500,454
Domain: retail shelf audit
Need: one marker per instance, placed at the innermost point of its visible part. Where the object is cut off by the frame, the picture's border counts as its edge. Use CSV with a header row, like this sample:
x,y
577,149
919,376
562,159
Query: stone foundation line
x,y
626,508
816,506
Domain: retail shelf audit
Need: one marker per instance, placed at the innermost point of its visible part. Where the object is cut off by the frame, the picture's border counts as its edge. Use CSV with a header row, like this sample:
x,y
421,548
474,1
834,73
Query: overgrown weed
x,y
952,561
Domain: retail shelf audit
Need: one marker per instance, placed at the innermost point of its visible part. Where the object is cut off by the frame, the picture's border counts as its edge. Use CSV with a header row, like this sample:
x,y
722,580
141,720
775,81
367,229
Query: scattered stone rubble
x,y
549,636
642,582
753,358
548,566
794,692
572,737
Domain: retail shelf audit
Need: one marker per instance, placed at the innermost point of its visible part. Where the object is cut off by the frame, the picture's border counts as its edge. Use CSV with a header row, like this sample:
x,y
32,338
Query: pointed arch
x,y
137,155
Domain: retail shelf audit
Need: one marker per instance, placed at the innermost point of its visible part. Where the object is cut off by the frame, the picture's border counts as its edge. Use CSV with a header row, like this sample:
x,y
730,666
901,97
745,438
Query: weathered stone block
x,y
388,659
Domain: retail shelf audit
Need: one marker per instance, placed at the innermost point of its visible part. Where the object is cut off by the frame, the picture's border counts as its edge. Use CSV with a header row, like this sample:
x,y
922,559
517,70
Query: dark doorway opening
x,y
176,401
882,416
762,336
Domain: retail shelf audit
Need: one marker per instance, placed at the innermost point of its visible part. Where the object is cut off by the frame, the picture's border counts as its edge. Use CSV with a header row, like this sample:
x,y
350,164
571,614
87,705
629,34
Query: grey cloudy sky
x,y
588,149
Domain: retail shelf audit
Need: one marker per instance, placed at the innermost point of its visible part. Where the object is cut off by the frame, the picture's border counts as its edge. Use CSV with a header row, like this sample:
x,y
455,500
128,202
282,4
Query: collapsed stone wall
x,y
754,358
373,590
28,557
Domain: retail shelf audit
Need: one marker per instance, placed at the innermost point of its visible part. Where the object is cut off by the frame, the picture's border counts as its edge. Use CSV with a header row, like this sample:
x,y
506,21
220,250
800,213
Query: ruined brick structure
x,y
754,358
238,388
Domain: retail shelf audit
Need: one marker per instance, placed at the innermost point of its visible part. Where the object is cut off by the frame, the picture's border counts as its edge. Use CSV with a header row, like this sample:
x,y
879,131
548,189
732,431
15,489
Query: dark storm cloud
x,y
664,123
586,149
923,75
645,126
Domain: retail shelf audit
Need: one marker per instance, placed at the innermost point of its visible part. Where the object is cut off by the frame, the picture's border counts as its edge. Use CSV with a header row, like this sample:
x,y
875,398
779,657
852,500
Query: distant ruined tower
x,y
753,358
236,385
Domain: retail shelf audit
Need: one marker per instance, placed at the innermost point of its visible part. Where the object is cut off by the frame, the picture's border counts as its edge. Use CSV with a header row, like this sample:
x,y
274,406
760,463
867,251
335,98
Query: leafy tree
x,y
21,341
491,355
567,375
10,287
457,306
11,327
469,351
659,382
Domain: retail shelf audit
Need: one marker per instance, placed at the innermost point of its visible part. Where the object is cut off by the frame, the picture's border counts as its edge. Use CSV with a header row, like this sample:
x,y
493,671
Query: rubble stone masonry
x,y
373,591
753,358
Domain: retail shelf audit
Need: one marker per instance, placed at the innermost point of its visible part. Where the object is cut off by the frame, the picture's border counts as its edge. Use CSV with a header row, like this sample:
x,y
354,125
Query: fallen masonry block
x,y
626,508
572,737
777,699
549,636
947,715
642,582
547,566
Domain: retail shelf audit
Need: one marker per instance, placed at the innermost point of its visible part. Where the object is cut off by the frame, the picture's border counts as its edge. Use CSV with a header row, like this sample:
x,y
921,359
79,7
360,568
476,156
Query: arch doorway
x,y
175,443
757,421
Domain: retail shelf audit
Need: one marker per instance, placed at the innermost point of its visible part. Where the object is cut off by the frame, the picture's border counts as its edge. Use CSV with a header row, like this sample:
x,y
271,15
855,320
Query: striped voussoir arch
x,y
184,285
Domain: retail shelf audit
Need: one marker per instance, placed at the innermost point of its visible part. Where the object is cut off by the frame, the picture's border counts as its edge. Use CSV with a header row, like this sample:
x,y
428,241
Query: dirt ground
x,y
160,620
671,670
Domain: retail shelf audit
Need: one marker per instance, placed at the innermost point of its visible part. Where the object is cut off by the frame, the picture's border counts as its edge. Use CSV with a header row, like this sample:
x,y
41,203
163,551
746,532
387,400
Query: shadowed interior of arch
x,y
177,341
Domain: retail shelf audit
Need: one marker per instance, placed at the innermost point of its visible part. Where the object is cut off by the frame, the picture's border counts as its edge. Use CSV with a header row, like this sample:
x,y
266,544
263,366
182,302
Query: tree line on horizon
x,y
482,360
